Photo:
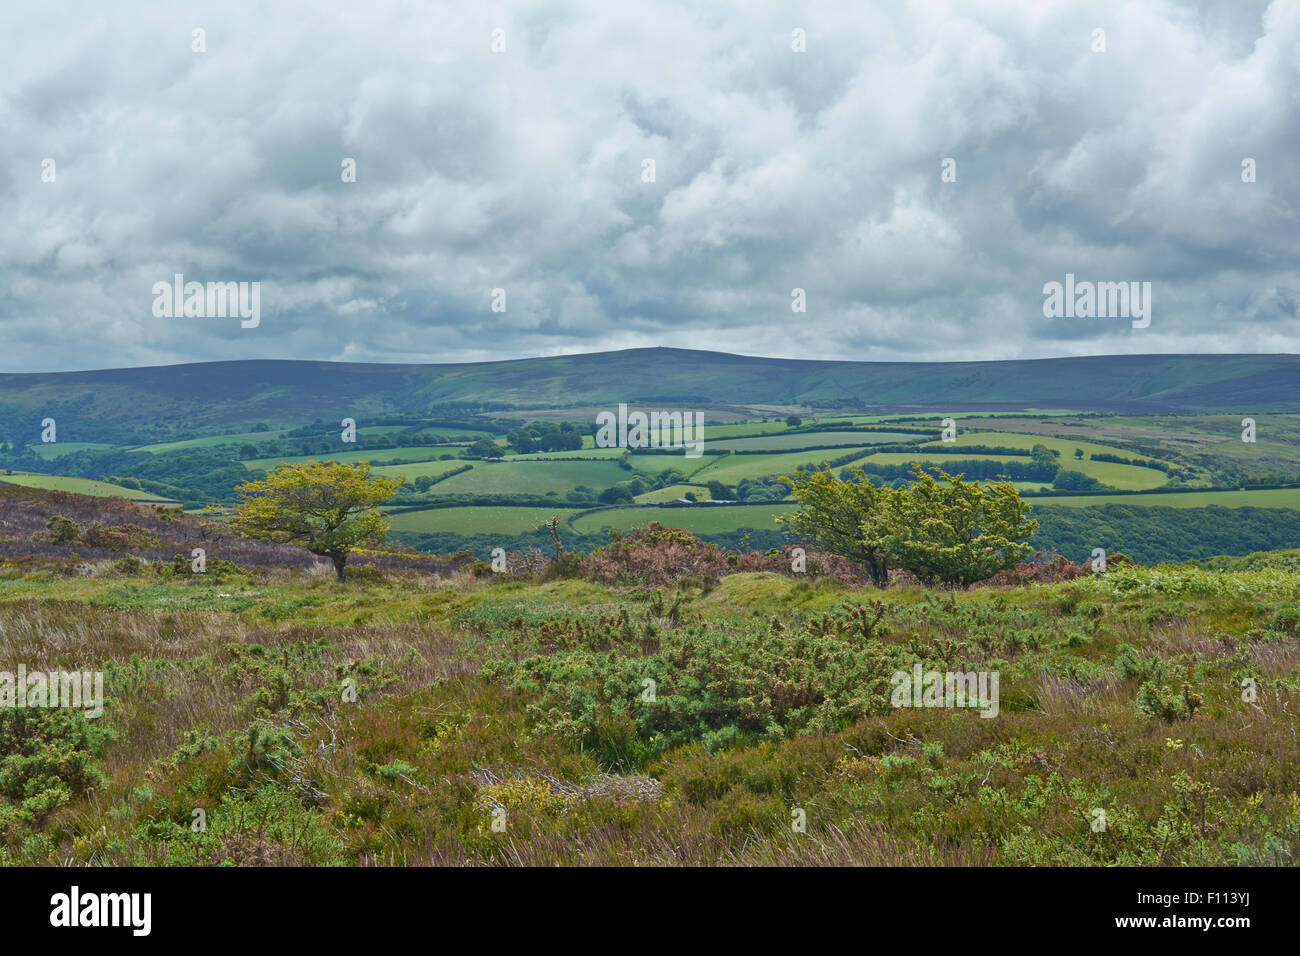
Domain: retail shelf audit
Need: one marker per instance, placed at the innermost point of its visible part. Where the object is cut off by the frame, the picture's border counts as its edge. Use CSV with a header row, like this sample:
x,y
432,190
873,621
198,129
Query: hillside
x,y
237,395
408,718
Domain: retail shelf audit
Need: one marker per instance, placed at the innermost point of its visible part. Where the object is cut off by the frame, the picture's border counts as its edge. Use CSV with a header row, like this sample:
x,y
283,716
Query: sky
x,y
919,170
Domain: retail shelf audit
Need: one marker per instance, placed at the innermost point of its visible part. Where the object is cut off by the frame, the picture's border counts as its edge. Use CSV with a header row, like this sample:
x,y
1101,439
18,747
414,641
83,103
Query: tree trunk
x,y
339,560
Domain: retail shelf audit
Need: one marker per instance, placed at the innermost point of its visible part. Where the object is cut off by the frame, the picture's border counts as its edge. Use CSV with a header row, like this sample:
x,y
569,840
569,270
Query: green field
x,y
733,468
1263,498
840,439
1065,446
514,477
1124,477
209,441
451,432
672,493
611,453
700,519
48,450
653,464
410,452
81,486
472,521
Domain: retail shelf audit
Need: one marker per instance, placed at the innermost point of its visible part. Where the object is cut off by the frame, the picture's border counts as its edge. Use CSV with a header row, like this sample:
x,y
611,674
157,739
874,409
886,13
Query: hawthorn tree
x,y
941,528
326,507
832,513
953,532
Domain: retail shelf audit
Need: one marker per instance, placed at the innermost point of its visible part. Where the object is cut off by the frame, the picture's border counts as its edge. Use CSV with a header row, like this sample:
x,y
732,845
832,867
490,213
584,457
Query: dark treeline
x,y
1151,535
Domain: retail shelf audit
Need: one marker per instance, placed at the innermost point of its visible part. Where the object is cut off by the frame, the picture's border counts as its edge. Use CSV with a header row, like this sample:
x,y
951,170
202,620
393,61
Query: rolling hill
x,y
226,396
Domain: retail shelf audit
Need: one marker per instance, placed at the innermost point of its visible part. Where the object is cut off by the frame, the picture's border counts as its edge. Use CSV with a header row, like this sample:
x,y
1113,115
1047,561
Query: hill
x,y
225,396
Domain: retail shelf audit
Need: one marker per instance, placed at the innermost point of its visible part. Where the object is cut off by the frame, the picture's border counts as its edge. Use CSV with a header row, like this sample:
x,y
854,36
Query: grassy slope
x,y
1263,498
81,486
472,521
707,519
236,395
437,741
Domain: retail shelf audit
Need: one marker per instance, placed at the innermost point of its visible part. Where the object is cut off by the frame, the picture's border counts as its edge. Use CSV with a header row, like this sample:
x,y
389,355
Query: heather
x,y
393,718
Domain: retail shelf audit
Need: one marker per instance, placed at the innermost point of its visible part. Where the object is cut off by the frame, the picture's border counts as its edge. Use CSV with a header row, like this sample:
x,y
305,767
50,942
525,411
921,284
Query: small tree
x,y
325,507
832,514
949,531
794,421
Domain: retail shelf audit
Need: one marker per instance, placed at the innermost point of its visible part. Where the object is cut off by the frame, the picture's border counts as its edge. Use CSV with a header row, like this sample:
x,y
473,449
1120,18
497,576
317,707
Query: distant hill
x,y
224,395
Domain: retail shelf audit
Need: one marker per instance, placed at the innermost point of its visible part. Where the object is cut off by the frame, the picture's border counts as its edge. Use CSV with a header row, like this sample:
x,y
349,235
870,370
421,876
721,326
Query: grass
x,y
732,469
703,519
515,477
522,701
49,450
81,486
672,493
1124,477
830,439
376,455
1261,498
472,521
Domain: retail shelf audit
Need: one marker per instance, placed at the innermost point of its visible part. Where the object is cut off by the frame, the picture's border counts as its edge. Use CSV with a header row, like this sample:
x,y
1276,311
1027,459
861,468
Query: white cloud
x,y
522,170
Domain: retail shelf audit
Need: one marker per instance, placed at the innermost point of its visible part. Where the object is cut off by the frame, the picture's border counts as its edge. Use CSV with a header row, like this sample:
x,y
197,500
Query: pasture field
x,y
514,477
422,453
451,432
672,493
611,453
1124,477
81,486
208,441
472,521
838,439
1257,498
699,519
48,450
1065,446
734,468
652,464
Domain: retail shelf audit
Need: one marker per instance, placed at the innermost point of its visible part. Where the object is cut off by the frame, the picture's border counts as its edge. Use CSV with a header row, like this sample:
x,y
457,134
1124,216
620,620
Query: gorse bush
x,y
48,757
717,685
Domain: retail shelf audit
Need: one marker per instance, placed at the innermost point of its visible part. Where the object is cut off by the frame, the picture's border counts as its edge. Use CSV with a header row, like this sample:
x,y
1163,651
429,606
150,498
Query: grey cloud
x,y
522,170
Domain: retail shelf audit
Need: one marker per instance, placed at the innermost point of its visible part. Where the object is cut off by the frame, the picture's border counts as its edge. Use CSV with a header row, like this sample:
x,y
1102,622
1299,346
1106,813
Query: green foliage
x,y
941,528
831,515
716,685
48,757
949,531
325,507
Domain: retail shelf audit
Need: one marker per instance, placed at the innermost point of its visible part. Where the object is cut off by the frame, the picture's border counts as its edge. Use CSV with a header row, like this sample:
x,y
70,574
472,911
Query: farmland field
x,y
410,452
1124,477
807,440
672,493
472,521
81,486
734,468
514,477
700,519
55,449
1260,498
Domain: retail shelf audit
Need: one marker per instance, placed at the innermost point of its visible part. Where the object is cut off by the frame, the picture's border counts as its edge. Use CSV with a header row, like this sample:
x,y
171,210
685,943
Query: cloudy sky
x,y
524,170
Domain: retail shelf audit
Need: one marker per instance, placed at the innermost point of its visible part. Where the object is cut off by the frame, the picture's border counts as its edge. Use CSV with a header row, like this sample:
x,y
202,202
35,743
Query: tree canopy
x,y
326,507
939,527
